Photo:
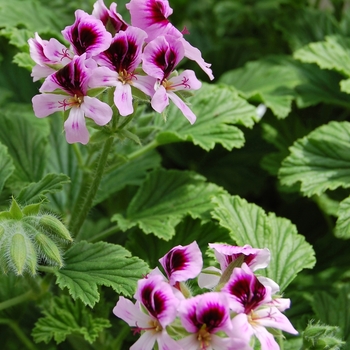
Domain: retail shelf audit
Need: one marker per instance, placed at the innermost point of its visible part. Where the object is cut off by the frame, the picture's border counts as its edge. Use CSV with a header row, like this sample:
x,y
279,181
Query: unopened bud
x,y
55,226
18,252
49,249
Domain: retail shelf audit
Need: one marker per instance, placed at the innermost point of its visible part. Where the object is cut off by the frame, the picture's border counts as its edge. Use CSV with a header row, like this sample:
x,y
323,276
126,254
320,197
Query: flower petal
x,y
123,99
241,328
190,342
272,317
100,112
103,76
267,341
151,16
182,262
87,35
76,130
131,313
144,83
46,104
160,99
161,56
165,342
145,342
187,80
209,277
36,50
182,106
158,298
39,72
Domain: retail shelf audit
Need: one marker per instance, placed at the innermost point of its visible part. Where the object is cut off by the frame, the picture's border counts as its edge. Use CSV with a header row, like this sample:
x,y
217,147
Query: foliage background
x,y
259,49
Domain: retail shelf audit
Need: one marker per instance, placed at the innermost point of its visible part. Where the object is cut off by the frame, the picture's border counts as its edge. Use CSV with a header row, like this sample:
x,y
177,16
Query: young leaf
x,y
164,198
89,265
249,224
64,317
216,108
334,54
6,166
342,227
320,160
36,192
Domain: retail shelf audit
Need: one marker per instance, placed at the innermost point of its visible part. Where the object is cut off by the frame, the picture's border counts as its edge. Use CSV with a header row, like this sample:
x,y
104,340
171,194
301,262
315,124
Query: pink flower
x,y
120,61
256,309
182,263
160,59
156,297
203,316
152,17
110,18
227,254
87,35
49,56
73,81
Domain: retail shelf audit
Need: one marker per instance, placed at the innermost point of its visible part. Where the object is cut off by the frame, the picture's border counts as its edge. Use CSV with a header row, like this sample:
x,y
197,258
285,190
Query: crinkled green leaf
x,y
64,317
89,265
249,224
131,173
23,59
333,53
164,198
6,166
269,81
320,160
216,108
18,37
342,227
35,192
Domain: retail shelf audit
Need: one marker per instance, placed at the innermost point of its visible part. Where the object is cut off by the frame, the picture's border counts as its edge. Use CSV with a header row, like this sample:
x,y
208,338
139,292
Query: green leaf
x,y
320,160
216,108
64,317
164,199
25,137
35,192
6,166
334,311
23,59
249,224
269,81
89,265
333,54
342,227
131,173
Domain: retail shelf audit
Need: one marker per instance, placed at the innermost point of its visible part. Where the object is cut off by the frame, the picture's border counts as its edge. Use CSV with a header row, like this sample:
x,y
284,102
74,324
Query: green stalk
x,y
20,334
16,300
104,234
79,217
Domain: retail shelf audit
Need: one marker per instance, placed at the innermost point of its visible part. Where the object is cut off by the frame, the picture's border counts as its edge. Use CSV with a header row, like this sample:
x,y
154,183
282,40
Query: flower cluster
x,y
106,52
230,315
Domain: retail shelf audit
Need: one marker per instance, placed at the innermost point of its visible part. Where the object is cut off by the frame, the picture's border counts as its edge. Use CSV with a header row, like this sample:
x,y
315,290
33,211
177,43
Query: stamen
x,y
170,86
204,337
65,54
72,101
125,77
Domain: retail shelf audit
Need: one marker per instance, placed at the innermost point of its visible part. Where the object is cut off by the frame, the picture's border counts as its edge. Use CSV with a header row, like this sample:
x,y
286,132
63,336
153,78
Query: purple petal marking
x,y
76,130
87,35
46,104
36,49
100,112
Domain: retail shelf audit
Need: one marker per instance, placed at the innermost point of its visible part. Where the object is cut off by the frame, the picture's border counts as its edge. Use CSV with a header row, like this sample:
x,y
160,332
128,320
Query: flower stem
x,y
104,234
81,212
20,334
16,300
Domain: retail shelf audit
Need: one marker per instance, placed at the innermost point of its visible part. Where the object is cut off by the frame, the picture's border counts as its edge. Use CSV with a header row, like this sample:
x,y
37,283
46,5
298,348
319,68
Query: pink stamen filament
x,y
170,86
125,77
65,54
154,326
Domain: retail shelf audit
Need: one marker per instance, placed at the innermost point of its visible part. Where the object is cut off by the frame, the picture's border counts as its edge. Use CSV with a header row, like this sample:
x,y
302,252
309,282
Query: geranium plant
x,y
152,200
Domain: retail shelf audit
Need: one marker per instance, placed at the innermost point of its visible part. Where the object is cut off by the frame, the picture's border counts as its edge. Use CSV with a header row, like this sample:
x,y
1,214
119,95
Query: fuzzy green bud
x,y
18,252
319,336
55,226
49,249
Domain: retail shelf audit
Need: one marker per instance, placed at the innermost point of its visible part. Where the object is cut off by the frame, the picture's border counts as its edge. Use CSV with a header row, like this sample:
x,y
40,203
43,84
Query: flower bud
x,y
18,252
55,226
49,249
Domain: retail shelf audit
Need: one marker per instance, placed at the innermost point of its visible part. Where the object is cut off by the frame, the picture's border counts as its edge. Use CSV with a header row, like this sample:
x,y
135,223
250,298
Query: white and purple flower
x,y
204,316
255,308
160,58
73,83
156,297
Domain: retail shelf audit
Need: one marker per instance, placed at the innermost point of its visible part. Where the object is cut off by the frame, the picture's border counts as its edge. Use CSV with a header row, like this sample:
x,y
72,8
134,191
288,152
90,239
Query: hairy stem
x,y
104,234
79,216
16,300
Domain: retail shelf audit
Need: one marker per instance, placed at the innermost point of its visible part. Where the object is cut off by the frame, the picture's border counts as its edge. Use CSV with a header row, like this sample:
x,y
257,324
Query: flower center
x,y
125,77
168,85
204,338
74,101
